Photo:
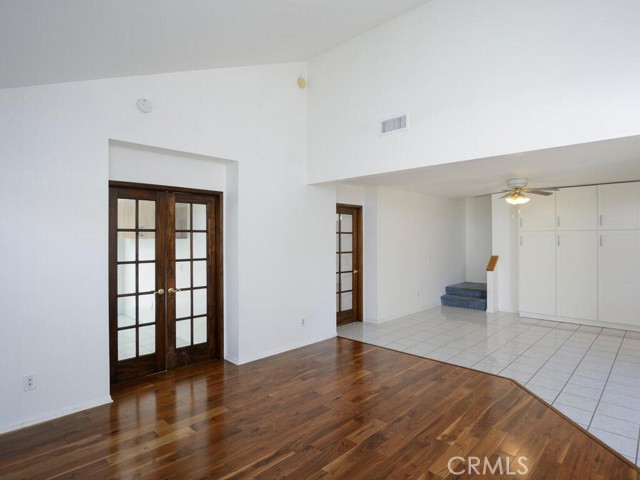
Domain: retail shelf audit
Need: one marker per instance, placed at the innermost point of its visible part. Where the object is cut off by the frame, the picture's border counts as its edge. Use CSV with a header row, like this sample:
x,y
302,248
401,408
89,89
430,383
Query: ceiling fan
x,y
515,195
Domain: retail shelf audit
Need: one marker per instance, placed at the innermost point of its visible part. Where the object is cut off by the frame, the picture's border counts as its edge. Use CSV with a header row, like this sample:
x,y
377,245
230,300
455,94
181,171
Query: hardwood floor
x,y
336,409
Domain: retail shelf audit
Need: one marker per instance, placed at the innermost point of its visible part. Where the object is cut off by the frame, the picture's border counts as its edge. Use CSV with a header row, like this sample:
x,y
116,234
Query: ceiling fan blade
x,y
541,189
539,192
489,194
506,195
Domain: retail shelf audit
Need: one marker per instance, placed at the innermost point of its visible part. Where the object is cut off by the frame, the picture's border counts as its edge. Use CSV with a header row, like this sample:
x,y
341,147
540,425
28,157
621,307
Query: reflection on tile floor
x,y
590,374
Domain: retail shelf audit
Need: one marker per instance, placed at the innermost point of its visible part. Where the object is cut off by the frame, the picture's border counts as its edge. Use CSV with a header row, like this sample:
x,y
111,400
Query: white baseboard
x,y
408,312
276,351
233,359
579,321
56,414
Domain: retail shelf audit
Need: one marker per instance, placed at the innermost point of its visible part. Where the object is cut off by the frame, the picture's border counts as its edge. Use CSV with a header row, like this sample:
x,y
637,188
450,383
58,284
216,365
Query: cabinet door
x,y
538,272
619,206
619,277
577,274
577,208
539,214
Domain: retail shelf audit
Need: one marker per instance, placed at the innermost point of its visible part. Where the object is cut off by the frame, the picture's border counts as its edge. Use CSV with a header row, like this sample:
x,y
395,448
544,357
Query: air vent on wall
x,y
393,124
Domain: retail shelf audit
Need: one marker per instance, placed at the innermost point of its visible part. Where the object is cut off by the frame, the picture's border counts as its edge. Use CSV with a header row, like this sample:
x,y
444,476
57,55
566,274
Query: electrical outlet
x,y
302,322
29,382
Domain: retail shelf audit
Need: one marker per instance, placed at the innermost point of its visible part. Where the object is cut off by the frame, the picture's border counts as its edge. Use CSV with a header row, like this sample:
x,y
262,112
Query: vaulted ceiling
x,y
49,41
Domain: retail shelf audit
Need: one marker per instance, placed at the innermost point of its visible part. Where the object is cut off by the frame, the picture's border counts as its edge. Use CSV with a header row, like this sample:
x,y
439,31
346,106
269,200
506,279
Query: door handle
x,y
355,271
160,292
174,290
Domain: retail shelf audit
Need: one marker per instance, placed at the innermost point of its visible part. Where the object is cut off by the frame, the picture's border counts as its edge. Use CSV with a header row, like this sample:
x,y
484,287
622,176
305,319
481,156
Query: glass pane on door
x,y
191,268
136,278
344,262
199,330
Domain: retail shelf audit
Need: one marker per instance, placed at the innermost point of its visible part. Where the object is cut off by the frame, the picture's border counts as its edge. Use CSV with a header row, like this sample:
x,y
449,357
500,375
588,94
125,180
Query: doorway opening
x,y
165,278
348,264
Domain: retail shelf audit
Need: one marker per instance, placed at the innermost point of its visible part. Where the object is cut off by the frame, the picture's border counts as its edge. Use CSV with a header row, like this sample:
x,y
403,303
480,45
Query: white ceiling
x,y
49,41
607,161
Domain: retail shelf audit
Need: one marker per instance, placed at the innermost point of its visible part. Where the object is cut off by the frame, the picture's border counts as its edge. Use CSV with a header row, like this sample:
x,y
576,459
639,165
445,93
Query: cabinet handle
x,y
520,240
558,240
600,240
600,220
558,221
520,222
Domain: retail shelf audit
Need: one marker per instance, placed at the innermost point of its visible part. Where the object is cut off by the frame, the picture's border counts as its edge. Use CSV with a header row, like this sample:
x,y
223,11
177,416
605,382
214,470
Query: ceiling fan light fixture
x,y
517,198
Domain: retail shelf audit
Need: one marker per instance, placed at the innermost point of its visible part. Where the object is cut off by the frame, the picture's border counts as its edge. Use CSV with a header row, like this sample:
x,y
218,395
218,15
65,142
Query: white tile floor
x,y
590,374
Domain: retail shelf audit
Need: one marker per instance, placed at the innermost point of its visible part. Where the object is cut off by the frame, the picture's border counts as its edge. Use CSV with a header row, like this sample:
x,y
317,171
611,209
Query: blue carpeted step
x,y
467,289
464,302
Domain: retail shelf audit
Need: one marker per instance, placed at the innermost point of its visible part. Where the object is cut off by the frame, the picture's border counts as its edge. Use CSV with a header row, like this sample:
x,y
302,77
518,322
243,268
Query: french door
x,y
165,285
348,264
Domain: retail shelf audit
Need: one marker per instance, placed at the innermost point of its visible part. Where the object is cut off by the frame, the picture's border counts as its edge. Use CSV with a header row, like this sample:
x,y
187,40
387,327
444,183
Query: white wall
x,y
141,164
370,278
414,245
350,194
421,248
478,79
504,237
54,149
478,237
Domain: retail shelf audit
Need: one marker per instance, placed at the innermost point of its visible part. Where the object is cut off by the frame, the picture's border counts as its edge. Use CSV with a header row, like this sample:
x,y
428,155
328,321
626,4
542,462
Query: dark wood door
x,y
165,285
192,332
348,264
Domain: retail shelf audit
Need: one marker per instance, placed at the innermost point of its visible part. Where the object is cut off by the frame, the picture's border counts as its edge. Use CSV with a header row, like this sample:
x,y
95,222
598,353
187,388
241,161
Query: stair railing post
x,y
492,285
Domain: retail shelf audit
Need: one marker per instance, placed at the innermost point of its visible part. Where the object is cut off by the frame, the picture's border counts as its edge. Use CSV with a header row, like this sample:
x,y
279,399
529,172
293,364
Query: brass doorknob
x,y
160,292
174,290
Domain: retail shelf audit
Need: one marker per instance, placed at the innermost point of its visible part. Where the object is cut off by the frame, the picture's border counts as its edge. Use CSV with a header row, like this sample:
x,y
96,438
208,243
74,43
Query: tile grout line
x,y
607,381
517,320
557,350
614,362
573,373
480,341
534,344
471,346
487,338
447,344
539,340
